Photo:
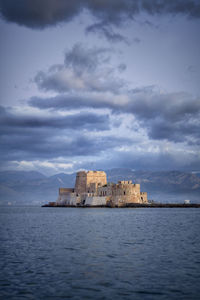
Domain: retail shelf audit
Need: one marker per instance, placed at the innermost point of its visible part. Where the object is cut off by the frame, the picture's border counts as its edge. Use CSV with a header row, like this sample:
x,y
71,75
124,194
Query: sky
x,y
99,84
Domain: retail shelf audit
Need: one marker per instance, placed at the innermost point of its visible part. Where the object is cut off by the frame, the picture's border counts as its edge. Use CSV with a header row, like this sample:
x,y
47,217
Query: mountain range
x,y
34,188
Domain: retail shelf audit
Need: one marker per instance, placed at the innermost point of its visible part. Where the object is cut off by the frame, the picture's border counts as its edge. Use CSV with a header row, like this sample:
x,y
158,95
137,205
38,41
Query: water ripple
x,y
99,254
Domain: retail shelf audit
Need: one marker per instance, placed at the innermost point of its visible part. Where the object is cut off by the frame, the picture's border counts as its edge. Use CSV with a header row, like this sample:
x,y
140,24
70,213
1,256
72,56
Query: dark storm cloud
x,y
177,131
85,69
174,117
11,122
148,104
47,145
44,145
69,102
29,137
39,14
144,103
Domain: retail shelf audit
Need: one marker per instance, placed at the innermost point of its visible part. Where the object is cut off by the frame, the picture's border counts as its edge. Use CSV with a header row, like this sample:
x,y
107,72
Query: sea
x,y
99,253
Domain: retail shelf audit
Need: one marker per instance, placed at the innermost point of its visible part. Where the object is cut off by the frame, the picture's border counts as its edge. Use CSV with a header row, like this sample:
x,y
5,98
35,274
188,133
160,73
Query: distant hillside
x,y
20,176
33,188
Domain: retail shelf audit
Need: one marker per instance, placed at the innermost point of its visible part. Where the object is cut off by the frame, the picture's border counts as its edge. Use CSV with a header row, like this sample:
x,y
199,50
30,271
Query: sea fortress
x,y
92,189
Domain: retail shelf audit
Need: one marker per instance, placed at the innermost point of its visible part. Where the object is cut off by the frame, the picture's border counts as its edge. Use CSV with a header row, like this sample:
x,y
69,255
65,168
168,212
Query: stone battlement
x,y
125,182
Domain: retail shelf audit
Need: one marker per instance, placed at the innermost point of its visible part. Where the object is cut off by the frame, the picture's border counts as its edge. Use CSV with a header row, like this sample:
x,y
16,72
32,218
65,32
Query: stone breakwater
x,y
131,205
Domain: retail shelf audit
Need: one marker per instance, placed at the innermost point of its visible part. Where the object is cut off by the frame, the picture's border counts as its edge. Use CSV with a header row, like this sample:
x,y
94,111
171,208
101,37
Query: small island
x,y
92,190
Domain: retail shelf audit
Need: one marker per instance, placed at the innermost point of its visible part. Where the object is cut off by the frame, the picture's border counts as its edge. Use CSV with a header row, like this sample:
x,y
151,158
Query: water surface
x,y
75,253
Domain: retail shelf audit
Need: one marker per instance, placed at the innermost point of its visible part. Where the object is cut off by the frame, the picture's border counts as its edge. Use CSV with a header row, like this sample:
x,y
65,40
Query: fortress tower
x,y
89,182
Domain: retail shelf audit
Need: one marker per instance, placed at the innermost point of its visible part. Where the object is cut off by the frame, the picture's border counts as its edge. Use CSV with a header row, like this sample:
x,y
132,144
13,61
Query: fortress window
x,y
124,193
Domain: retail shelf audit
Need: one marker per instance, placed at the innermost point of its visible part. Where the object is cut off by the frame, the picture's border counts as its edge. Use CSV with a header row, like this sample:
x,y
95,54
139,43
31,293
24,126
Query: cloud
x,y
56,140
45,145
149,160
48,137
136,40
173,116
49,167
39,14
84,69
122,67
179,131
104,29
191,69
14,122
146,103
82,59
86,81
50,145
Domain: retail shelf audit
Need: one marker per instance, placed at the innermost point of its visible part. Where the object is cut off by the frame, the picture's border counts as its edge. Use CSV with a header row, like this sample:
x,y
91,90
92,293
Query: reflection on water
x,y
74,253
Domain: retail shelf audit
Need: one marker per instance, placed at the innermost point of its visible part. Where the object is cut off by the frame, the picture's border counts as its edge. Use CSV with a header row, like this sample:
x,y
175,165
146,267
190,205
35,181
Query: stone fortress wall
x,y
92,189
